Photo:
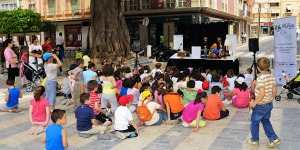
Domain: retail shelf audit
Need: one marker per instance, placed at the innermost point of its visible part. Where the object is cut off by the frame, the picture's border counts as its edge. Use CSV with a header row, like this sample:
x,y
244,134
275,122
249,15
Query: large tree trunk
x,y
110,35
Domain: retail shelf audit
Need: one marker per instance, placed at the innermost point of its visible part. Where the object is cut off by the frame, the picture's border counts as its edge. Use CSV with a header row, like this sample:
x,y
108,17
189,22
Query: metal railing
x,y
67,14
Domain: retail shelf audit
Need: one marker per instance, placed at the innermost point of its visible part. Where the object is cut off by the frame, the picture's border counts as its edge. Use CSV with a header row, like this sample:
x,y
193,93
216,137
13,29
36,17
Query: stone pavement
x,y
228,134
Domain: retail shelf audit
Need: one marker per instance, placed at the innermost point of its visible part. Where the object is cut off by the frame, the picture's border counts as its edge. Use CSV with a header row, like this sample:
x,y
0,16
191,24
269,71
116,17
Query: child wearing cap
x,y
86,120
51,83
124,123
240,95
158,111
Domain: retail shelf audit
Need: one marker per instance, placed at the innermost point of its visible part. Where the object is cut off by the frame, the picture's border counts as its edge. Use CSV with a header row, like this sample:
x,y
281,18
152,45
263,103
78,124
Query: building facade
x,y
291,8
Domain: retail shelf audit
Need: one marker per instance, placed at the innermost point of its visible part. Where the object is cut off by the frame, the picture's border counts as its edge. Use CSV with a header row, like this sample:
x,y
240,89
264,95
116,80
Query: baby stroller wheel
x,y
299,100
278,98
290,95
29,88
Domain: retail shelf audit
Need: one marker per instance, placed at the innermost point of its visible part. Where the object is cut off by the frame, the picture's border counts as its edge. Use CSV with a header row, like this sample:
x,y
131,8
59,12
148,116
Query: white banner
x,y
285,44
178,42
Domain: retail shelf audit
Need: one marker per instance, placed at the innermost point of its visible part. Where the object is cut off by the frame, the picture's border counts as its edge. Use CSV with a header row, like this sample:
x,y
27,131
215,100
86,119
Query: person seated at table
x,y
204,45
213,56
217,47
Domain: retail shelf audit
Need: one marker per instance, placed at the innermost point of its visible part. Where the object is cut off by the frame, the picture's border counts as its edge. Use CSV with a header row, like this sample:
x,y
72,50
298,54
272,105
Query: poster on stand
x,y
285,49
178,42
232,39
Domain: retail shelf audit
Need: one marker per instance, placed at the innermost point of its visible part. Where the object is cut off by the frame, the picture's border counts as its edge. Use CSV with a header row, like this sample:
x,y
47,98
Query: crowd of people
x,y
114,94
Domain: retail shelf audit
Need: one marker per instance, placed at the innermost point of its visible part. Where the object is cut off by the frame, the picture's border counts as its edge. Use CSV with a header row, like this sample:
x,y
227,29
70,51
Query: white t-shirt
x,y
152,106
175,86
86,60
231,83
248,79
51,71
34,47
198,85
143,76
122,118
154,72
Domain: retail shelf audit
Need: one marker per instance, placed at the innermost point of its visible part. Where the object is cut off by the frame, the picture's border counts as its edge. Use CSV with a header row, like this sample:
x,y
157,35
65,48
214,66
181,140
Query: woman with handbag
x,y
11,60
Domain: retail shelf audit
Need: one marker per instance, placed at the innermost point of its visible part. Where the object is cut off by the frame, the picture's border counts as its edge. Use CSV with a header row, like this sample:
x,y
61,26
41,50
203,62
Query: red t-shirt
x,y
49,47
94,97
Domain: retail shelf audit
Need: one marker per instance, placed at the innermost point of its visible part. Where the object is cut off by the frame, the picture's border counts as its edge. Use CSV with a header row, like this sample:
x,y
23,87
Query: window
x,y
132,5
9,6
182,3
145,4
74,4
51,5
170,3
288,8
274,4
274,15
32,6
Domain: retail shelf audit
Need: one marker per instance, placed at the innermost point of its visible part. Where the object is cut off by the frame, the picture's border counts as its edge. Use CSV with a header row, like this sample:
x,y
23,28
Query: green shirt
x,y
162,39
188,95
78,55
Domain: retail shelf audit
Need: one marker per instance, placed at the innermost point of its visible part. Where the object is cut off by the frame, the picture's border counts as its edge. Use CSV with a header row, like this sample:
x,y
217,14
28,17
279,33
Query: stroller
x,y
291,87
33,75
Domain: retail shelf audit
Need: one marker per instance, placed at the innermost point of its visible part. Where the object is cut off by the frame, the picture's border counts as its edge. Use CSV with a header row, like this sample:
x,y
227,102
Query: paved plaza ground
x,y
230,133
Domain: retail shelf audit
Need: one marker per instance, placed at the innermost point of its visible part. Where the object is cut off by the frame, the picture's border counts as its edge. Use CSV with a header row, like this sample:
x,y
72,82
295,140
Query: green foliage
x,y
23,20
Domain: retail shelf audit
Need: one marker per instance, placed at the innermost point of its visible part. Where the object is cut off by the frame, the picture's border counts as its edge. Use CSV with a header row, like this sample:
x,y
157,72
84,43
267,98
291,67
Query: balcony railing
x,y
67,14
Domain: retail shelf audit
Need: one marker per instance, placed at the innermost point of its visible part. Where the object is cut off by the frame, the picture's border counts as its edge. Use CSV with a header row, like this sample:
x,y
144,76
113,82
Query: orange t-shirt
x,y
174,101
212,107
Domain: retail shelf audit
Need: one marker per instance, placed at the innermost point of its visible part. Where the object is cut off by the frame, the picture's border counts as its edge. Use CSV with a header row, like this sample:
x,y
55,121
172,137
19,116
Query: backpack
x,y
144,113
205,85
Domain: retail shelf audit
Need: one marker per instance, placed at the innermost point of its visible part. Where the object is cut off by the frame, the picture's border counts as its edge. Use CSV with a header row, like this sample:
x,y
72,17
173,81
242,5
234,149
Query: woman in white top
x,y
109,88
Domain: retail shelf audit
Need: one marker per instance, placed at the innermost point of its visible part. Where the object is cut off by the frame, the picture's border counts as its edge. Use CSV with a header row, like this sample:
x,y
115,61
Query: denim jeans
x,y
262,113
162,117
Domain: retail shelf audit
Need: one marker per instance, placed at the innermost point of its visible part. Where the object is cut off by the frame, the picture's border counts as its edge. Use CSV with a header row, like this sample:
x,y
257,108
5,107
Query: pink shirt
x,y
24,58
159,98
242,98
8,54
190,112
39,109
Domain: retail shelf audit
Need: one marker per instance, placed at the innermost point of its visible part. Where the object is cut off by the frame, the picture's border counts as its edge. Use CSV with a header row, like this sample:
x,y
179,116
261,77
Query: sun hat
x,y
145,94
46,56
125,99
240,80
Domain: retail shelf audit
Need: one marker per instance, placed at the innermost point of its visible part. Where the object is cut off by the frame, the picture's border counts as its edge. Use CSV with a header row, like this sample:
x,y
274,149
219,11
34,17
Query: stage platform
x,y
206,63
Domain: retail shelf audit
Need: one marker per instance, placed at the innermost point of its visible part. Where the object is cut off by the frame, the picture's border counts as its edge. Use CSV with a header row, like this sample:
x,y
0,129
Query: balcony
x,y
67,15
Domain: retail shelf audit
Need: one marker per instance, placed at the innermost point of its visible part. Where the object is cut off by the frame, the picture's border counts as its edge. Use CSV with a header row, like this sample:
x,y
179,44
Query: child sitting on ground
x,y
191,115
248,77
11,98
124,123
214,104
173,104
240,95
157,69
100,114
189,92
39,112
157,112
67,85
55,135
86,120
215,81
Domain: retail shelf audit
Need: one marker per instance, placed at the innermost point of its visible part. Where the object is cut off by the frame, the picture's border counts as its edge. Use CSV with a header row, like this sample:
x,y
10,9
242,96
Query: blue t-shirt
x,y
54,137
13,99
89,75
123,91
84,114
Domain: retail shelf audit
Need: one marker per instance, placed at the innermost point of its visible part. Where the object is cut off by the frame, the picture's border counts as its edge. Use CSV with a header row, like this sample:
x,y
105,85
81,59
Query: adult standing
x,y
11,60
48,45
33,52
60,41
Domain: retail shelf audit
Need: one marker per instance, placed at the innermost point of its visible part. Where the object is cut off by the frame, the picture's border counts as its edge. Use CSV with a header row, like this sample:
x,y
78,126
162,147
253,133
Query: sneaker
x,y
184,124
132,135
121,135
69,102
103,137
85,135
250,142
64,102
274,143
226,102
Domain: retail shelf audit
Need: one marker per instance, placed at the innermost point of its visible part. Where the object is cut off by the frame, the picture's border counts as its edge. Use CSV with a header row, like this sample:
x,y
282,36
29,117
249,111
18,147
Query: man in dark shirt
x,y
204,45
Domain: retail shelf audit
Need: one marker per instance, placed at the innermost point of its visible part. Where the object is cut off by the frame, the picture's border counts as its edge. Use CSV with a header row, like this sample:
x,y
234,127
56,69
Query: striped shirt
x,y
94,97
266,81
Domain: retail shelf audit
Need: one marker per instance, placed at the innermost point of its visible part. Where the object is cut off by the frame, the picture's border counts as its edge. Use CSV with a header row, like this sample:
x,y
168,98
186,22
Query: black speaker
x,y
253,45
136,45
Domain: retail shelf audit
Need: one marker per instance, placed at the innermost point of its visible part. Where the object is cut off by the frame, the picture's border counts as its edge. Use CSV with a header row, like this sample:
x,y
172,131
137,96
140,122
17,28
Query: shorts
x,y
175,116
130,128
4,107
102,118
95,129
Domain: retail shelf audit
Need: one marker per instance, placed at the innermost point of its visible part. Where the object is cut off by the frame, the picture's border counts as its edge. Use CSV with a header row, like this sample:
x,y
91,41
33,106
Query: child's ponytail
x,y
199,96
38,93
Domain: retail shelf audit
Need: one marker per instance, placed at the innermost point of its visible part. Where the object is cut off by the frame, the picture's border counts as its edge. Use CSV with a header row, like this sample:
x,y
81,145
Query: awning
x,y
264,27
288,7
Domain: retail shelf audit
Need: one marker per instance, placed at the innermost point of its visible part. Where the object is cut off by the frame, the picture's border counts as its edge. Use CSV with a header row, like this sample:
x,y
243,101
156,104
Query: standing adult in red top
x,y
47,44
11,60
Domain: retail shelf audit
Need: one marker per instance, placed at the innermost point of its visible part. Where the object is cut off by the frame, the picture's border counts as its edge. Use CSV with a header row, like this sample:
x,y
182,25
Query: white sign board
x,y
285,44
196,52
232,39
178,42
